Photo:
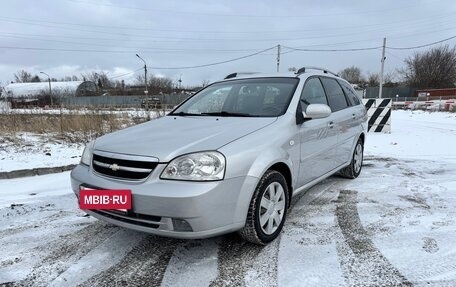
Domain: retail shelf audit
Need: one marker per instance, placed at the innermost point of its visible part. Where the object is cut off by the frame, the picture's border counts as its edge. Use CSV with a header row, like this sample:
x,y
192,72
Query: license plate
x,y
114,199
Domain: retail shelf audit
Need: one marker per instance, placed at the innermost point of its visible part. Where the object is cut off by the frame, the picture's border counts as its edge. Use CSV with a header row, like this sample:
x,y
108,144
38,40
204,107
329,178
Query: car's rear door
x,y
358,116
343,119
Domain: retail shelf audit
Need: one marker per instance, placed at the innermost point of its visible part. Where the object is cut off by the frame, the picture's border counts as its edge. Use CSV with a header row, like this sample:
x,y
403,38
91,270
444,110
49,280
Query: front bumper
x,y
209,208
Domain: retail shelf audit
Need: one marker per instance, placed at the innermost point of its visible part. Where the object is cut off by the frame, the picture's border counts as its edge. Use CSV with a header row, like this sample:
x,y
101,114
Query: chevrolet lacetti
x,y
231,157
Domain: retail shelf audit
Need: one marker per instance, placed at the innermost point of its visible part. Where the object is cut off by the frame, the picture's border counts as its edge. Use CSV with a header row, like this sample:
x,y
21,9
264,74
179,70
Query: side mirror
x,y
317,111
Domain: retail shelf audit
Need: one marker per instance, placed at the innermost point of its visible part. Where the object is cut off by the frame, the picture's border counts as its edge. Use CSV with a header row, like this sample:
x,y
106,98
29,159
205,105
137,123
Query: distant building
x,y
36,92
436,93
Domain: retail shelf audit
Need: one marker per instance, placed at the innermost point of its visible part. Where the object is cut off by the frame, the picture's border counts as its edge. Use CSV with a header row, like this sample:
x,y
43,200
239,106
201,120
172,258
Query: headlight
x,y
86,157
201,166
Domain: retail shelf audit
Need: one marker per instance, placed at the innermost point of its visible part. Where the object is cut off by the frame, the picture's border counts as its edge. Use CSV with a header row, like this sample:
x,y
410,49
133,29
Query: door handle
x,y
330,125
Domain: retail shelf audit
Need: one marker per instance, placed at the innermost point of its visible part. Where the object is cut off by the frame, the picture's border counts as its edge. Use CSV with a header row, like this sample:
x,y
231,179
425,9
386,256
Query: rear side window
x,y
313,93
336,96
350,93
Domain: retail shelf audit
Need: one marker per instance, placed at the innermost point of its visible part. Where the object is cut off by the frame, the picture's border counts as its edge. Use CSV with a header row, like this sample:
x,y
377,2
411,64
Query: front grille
x,y
131,217
122,168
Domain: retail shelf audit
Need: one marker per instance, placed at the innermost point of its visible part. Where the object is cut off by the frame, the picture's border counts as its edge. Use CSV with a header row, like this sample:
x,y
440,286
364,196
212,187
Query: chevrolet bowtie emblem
x,y
114,167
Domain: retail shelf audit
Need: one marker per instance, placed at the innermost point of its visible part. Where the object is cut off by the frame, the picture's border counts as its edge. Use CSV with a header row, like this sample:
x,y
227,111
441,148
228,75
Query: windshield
x,y
259,97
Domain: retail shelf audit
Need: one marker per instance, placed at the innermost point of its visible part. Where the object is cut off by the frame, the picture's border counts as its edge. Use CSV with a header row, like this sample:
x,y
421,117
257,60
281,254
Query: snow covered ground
x,y
393,226
27,151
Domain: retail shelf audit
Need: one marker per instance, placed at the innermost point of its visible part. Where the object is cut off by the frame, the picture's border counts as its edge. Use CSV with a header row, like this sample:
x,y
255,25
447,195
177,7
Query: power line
x,y
157,68
212,64
131,47
126,74
333,50
190,39
421,46
62,50
205,39
193,39
143,9
369,48
413,22
236,50
93,51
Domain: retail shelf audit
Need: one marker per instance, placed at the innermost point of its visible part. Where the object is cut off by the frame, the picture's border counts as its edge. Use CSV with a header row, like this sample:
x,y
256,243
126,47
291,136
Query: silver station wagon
x,y
231,157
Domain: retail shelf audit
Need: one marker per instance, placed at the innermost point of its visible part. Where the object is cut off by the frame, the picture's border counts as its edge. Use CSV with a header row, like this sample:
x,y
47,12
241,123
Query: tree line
x,y
431,69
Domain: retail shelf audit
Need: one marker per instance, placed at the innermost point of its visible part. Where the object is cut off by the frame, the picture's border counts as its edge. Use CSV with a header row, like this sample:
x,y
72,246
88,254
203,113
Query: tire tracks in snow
x,y
307,255
362,263
65,251
144,265
244,264
50,219
235,257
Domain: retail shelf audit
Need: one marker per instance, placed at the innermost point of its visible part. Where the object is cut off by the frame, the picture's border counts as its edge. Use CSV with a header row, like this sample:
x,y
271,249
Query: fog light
x,y
181,225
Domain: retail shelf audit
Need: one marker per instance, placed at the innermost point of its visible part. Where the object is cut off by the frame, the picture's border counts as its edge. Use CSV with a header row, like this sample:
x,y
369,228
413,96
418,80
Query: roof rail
x,y
326,71
234,75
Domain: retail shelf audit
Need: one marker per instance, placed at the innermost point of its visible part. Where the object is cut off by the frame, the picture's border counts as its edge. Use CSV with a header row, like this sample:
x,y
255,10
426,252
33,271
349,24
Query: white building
x,y
33,91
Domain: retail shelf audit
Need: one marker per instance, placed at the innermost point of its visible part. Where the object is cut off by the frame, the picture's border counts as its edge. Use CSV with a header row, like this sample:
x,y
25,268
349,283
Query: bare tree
x,y
35,79
389,80
22,76
100,78
205,83
373,80
352,74
105,81
434,68
156,84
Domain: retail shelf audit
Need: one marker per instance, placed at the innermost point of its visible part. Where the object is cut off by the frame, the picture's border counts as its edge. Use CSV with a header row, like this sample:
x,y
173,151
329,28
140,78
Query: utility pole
x,y
278,57
381,71
145,74
50,89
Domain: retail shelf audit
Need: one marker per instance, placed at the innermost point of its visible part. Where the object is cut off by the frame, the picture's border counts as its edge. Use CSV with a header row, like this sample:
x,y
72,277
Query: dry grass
x,y
72,126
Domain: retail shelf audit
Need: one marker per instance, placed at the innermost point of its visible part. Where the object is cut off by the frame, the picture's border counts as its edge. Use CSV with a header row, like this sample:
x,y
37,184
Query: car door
x,y
357,113
343,119
317,136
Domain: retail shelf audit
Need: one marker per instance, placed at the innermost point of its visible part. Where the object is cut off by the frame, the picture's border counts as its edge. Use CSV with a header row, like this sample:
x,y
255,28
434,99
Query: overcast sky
x,y
70,37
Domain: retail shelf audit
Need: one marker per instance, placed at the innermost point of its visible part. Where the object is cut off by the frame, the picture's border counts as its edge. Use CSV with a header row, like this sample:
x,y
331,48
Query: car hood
x,y
170,136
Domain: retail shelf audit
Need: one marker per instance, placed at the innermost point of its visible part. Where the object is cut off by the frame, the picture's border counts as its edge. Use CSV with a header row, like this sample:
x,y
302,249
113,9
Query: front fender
x,y
267,159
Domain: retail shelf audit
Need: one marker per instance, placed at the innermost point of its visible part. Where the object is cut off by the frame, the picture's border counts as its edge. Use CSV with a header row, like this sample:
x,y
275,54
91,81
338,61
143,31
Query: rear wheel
x,y
356,164
268,209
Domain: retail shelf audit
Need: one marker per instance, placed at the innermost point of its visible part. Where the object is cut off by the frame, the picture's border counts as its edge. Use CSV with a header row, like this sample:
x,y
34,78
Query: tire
x,y
354,169
262,209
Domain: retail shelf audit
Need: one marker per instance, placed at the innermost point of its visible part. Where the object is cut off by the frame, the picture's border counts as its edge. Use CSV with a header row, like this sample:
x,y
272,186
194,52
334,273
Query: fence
x,y
428,105
122,101
388,92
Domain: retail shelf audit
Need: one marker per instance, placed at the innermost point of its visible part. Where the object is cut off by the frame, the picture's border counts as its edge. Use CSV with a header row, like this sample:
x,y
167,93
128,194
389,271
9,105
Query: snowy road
x,y
394,225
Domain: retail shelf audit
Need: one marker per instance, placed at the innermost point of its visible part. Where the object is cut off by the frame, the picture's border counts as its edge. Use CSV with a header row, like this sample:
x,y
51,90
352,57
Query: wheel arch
x,y
362,136
284,169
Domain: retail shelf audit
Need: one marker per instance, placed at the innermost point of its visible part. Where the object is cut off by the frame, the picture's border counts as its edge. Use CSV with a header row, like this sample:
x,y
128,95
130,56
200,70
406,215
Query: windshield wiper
x,y
183,114
227,114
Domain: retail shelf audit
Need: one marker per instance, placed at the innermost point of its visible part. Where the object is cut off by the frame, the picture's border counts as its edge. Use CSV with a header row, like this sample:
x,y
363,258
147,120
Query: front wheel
x,y
268,209
354,169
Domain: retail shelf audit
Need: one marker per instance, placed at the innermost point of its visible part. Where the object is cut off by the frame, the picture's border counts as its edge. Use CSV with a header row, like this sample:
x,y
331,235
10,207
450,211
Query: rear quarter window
x,y
335,94
350,93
